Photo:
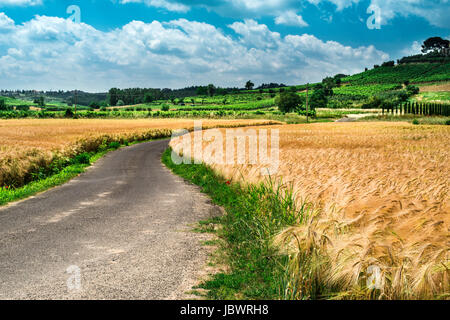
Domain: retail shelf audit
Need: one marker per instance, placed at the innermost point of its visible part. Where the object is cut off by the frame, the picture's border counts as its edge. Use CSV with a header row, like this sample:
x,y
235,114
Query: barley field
x,y
30,144
377,195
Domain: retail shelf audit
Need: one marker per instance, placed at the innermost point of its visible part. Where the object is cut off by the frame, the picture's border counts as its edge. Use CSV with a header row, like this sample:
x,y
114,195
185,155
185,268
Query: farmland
x,y
347,196
31,146
365,90
370,203
415,73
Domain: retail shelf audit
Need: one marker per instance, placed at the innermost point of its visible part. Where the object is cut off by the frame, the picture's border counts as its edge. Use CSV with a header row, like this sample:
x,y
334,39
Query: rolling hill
x,y
414,73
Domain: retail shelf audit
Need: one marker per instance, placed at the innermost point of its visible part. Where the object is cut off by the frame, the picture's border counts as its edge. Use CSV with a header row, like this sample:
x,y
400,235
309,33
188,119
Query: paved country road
x,y
126,224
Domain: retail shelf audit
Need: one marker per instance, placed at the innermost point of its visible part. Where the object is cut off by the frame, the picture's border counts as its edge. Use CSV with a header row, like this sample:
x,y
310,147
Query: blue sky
x,y
177,43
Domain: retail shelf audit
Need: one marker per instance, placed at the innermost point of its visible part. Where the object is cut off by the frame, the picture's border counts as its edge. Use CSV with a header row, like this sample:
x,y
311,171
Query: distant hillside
x,y
57,98
414,73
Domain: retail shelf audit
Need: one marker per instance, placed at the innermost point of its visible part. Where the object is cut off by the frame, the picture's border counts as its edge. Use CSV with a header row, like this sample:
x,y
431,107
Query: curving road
x,y
124,227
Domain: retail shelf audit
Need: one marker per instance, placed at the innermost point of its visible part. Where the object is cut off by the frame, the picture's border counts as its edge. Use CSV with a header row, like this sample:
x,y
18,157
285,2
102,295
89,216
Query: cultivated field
x,y
379,197
30,145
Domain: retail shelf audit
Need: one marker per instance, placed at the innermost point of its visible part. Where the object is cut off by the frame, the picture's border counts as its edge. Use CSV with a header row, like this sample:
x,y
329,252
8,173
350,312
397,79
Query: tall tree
x,y
211,90
288,102
318,99
249,85
40,101
113,96
435,44
3,106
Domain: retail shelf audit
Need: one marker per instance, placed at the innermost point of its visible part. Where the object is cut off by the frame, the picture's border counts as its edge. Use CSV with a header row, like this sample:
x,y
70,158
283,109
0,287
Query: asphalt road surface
x,y
122,230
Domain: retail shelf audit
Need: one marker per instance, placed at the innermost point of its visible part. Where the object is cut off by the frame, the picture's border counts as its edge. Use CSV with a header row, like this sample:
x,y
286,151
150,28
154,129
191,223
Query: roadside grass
x,y
23,171
255,214
416,119
79,166
61,175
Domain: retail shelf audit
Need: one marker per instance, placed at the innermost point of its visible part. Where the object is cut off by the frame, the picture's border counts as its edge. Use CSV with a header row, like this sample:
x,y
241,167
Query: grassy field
x,y
439,96
415,73
380,197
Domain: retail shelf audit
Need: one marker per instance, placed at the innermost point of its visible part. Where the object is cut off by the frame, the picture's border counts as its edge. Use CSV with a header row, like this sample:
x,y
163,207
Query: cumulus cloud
x,y
340,4
413,49
228,7
290,18
436,12
169,5
5,22
55,53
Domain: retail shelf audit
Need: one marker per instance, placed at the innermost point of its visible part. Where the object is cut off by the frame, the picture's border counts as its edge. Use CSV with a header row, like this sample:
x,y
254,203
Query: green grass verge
x,y
62,170
8,195
255,214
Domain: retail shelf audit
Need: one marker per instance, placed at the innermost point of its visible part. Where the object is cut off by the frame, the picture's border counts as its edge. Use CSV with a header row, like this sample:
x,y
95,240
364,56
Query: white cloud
x,y
224,7
290,18
340,4
166,4
253,34
20,2
436,12
413,49
5,22
54,53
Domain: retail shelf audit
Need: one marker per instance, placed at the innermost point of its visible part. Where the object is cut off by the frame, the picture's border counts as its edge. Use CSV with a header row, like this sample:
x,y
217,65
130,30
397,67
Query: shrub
x,y
388,64
165,107
318,99
288,101
3,106
415,122
83,158
412,90
373,103
23,107
447,122
114,145
68,113
94,105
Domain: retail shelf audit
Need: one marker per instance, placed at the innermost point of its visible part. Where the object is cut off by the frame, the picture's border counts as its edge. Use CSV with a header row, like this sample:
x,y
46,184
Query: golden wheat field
x,y
29,144
380,198
52,134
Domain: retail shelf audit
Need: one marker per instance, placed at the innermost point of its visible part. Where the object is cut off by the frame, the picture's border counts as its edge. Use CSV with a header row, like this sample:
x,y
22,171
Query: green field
x,y
415,73
354,92
443,96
